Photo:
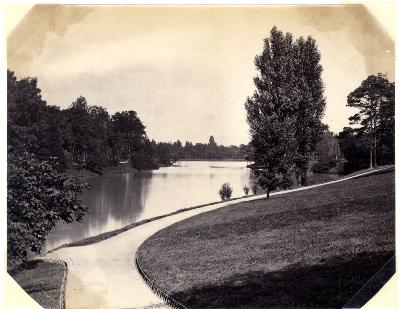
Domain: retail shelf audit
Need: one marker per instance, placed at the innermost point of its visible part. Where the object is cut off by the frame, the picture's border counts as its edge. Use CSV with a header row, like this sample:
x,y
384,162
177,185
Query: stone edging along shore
x,y
156,290
176,304
107,235
63,287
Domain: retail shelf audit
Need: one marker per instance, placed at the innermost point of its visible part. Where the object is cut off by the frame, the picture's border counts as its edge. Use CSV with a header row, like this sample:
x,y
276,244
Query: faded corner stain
x,y
28,38
353,20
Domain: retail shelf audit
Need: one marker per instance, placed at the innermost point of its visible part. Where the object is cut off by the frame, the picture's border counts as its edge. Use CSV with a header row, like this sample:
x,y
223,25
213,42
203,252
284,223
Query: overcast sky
x,y
187,71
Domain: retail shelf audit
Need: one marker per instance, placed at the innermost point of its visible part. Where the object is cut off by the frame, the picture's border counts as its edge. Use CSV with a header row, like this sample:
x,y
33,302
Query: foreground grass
x,y
313,248
42,280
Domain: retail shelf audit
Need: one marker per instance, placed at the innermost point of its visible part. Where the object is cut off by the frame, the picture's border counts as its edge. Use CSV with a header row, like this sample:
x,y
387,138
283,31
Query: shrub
x,y
254,188
324,166
320,167
226,191
246,190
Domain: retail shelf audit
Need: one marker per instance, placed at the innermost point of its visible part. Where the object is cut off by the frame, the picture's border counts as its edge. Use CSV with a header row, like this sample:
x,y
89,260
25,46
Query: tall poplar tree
x,y
284,113
311,107
271,111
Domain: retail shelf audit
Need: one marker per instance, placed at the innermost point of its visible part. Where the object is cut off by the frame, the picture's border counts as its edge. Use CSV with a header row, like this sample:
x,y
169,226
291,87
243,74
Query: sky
x,y
187,70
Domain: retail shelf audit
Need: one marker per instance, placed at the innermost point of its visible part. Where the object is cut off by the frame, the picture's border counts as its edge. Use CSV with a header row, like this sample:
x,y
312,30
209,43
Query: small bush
x,y
320,167
254,189
226,191
325,166
246,190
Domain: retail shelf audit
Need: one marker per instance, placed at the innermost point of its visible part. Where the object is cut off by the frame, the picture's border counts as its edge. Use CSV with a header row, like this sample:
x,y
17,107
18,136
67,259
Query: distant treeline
x,y
87,136
209,151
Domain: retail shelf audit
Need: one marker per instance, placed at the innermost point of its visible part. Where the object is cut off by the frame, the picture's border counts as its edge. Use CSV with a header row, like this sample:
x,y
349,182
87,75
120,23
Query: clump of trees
x,y
211,151
373,139
38,193
44,141
327,155
285,111
87,136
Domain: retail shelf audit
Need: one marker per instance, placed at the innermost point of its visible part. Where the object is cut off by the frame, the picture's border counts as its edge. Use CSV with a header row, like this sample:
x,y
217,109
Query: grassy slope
x,y
42,280
314,248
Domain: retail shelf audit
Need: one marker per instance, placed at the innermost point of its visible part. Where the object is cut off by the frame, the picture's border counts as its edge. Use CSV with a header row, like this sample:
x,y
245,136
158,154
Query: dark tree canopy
x,y
38,197
38,193
44,141
355,148
375,99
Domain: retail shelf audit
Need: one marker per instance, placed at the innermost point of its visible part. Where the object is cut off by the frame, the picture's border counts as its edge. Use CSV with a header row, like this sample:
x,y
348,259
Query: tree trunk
x,y
374,135
370,147
303,176
268,191
375,146
297,175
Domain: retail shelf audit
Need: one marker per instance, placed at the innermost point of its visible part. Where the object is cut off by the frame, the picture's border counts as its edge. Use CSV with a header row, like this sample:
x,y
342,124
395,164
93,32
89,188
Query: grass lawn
x,y
42,280
313,248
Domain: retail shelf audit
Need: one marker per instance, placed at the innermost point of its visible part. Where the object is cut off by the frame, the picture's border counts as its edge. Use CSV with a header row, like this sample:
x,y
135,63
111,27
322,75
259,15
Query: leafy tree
x,y
285,112
311,106
50,140
25,108
80,131
24,100
355,148
375,100
386,129
271,111
164,151
100,119
177,150
127,134
212,150
38,196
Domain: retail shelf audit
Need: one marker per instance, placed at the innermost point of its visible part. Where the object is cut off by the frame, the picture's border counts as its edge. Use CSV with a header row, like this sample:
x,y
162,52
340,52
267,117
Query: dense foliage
x,y
38,193
88,137
285,111
328,155
209,151
374,99
44,141
38,197
355,149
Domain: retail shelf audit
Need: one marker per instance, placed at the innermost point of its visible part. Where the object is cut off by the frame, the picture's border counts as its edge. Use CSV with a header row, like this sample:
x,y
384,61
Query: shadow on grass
x,y
19,268
42,280
329,284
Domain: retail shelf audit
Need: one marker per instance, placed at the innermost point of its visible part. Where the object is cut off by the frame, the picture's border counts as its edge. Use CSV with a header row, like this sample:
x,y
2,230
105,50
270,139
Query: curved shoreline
x,y
106,235
172,269
103,274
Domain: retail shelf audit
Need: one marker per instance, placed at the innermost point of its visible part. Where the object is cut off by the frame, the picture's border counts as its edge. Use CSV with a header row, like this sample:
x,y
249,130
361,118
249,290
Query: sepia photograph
x,y
200,156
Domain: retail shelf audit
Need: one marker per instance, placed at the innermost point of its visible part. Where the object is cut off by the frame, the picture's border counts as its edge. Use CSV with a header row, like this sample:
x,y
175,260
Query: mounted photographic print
x,y
201,156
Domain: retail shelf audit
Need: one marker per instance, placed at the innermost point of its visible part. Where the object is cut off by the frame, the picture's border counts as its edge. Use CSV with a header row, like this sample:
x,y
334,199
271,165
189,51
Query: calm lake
x,y
116,200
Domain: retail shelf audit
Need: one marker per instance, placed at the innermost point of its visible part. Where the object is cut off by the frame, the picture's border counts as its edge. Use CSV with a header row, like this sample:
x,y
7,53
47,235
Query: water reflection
x,y
119,199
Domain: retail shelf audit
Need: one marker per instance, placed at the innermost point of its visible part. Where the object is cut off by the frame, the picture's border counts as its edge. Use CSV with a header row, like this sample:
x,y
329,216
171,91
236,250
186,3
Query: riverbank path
x,y
103,275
